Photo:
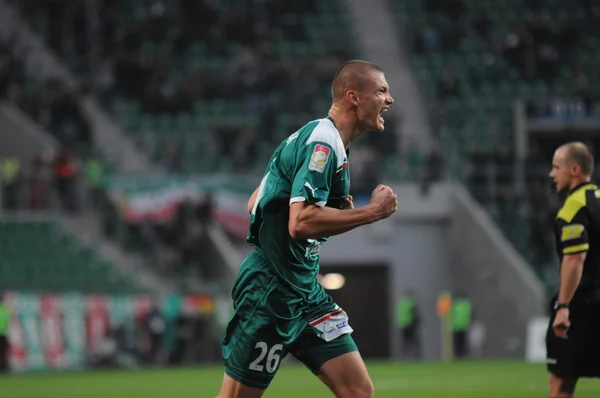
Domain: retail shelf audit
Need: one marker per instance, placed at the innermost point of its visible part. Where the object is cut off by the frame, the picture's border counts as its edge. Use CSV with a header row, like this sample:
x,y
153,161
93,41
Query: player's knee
x,y
362,389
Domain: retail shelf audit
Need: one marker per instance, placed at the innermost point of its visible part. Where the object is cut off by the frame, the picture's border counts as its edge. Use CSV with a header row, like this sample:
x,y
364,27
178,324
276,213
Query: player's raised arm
x,y
309,221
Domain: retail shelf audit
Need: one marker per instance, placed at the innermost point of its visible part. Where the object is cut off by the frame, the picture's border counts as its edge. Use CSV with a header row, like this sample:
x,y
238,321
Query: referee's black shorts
x,y
579,354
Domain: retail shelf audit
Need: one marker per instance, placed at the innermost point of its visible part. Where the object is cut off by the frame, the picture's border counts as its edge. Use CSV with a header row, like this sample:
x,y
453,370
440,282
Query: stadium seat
x,y
57,262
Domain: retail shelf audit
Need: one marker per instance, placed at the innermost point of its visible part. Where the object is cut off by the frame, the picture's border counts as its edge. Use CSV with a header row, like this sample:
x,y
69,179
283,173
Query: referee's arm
x,y
570,275
574,246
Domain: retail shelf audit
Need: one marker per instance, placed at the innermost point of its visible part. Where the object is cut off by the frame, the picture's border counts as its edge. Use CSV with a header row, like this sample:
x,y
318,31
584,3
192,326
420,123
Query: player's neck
x,y
345,123
578,181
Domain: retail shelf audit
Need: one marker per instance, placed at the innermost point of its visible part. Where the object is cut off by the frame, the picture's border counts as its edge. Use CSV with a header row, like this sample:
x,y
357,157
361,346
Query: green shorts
x,y
270,322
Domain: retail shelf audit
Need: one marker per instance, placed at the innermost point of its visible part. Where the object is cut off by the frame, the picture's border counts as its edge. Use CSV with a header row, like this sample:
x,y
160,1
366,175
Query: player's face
x,y
561,170
375,99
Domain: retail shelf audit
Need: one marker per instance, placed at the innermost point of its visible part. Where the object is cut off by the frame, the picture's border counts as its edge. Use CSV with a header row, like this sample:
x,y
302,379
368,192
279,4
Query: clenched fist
x,y
384,202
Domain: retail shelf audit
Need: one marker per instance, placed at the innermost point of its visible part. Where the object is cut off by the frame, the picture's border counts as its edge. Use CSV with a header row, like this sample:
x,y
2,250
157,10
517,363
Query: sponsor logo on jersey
x,y
312,250
319,158
573,231
312,190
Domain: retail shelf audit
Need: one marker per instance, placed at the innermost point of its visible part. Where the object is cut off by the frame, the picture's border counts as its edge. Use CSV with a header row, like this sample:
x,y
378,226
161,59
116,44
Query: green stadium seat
x,y
39,256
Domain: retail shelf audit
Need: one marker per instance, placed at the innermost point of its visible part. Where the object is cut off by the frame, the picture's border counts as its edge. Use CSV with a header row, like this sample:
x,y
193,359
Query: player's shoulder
x,y
323,131
576,203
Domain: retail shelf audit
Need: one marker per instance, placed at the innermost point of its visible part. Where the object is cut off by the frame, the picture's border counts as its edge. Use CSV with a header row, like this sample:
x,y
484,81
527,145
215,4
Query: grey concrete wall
x,y
417,254
502,287
20,136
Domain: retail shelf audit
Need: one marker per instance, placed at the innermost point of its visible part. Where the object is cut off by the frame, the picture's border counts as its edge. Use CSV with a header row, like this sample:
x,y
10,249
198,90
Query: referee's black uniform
x,y
577,229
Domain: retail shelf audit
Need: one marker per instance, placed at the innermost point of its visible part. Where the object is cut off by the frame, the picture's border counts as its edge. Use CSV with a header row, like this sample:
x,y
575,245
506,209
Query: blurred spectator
x,y
415,160
519,50
433,170
65,178
4,329
479,160
127,355
448,85
243,150
10,175
482,25
104,354
95,176
38,182
184,332
407,323
504,165
418,40
461,314
205,212
173,155
156,327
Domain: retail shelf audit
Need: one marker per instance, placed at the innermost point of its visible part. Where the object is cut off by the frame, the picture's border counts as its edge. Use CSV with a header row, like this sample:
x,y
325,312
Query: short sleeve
x,y
312,182
573,235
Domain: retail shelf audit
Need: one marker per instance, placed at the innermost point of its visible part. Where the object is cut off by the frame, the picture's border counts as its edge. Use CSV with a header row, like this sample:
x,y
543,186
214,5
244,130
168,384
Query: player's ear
x,y
352,97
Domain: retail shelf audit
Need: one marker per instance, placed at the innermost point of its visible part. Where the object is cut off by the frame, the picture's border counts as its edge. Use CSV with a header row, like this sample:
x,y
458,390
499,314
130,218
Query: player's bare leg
x,y
561,388
347,376
234,389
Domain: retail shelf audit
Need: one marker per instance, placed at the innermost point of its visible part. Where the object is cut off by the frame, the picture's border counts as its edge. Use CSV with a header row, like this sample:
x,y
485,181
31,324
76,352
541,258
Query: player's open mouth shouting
x,y
381,120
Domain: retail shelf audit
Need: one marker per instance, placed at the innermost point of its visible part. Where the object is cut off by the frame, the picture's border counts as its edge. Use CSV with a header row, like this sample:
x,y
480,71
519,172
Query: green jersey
x,y
310,166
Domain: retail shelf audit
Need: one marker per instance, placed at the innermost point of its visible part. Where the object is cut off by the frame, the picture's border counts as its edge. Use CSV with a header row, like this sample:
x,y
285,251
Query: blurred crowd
x,y
174,246
177,58
153,340
47,102
541,43
536,48
52,179
173,57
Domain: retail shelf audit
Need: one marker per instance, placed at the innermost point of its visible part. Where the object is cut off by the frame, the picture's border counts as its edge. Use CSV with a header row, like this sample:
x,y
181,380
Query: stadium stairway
x,y
378,40
87,229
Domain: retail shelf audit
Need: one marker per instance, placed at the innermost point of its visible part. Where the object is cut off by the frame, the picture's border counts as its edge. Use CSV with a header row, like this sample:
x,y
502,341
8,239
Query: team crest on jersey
x,y
319,158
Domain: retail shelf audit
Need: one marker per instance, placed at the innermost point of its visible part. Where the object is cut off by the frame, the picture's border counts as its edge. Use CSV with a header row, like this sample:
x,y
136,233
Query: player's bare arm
x,y
252,200
570,276
308,221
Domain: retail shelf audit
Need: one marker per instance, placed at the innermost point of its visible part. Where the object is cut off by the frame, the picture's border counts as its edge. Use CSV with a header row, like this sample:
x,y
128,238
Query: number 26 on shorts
x,y
273,357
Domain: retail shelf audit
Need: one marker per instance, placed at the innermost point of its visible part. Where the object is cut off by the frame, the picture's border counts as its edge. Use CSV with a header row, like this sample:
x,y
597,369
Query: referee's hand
x,y
561,323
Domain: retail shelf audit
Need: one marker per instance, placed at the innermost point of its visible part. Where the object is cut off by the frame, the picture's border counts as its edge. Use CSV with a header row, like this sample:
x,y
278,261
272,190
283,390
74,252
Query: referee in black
x,y
573,336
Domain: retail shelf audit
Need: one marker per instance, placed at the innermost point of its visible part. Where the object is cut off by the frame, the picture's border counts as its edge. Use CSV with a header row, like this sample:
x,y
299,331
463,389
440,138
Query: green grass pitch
x,y
458,380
